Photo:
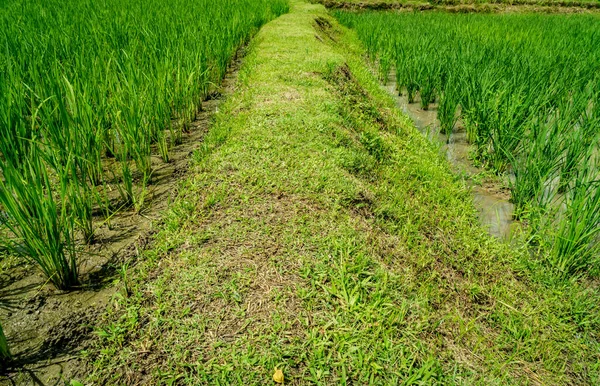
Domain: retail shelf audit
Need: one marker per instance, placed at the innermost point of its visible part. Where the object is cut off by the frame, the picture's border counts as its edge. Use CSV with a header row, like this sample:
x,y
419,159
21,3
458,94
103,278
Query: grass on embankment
x,y
321,234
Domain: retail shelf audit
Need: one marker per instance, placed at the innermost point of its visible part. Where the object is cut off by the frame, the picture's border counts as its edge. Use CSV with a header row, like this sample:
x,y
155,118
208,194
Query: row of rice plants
x,y
90,91
527,89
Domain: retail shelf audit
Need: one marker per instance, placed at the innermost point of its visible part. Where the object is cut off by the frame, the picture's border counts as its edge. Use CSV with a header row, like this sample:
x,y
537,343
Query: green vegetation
x,y
318,236
41,228
91,90
4,351
321,234
528,92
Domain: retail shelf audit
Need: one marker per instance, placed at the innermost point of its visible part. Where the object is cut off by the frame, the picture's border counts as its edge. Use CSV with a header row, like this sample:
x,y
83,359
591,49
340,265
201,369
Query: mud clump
x,y
72,332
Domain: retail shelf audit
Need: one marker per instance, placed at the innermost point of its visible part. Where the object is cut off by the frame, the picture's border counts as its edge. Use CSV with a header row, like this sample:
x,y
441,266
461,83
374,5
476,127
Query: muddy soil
x,y
48,330
491,197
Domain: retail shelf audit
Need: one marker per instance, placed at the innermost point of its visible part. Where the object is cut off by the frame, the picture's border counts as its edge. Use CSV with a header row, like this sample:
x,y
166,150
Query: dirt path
x,y
319,233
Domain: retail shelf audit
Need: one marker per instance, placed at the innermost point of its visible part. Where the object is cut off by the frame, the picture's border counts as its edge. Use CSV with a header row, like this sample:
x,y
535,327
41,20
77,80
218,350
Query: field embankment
x,y
468,6
321,234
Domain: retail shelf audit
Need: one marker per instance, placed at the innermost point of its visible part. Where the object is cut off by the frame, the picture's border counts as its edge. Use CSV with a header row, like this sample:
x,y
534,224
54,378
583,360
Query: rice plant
x,y
576,245
447,112
579,140
428,80
42,226
533,169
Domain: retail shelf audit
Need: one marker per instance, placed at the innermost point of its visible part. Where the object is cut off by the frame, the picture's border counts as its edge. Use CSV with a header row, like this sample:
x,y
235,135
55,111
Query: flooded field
x,y
491,198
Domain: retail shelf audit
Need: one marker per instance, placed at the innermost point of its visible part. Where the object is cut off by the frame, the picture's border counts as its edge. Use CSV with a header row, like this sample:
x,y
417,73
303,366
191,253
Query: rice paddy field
x,y
528,92
225,192
91,92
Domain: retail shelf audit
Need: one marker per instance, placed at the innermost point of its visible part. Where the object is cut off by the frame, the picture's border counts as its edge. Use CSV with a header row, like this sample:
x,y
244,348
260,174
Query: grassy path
x,y
319,233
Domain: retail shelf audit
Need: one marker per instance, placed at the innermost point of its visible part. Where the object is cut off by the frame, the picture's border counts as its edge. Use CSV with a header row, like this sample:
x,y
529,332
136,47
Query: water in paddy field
x,y
491,200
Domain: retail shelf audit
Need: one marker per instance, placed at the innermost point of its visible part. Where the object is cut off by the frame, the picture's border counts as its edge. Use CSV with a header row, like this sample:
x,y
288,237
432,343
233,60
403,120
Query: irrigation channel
x,y
490,198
